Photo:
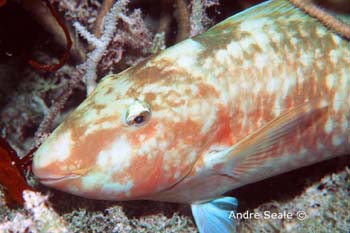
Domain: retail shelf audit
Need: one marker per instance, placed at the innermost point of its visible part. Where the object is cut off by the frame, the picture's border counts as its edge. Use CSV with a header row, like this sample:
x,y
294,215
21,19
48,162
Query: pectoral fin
x,y
255,149
214,216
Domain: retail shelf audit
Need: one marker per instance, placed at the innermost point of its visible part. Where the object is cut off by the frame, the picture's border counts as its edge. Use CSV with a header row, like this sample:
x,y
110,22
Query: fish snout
x,y
52,162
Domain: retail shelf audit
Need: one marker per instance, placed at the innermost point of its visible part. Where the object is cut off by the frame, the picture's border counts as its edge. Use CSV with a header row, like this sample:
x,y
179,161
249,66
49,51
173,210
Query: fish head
x,y
136,135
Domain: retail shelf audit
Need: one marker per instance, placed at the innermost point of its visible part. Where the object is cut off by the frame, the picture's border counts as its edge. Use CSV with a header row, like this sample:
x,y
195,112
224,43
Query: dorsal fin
x,y
262,10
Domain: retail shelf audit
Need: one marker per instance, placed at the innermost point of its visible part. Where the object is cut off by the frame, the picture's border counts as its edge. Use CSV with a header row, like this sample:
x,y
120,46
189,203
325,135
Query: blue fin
x,y
214,216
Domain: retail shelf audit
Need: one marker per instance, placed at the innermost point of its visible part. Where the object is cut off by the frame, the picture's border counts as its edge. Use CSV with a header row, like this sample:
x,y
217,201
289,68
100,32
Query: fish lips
x,y
54,180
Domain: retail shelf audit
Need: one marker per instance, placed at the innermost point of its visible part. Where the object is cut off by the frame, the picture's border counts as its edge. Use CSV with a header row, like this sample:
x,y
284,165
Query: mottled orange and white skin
x,y
211,99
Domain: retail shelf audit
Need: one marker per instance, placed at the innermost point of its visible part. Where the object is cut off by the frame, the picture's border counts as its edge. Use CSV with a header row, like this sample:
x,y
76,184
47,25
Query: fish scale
x,y
316,71
264,92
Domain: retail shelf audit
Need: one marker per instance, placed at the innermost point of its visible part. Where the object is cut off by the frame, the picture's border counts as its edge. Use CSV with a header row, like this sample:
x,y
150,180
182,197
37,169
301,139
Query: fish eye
x,y
137,114
139,119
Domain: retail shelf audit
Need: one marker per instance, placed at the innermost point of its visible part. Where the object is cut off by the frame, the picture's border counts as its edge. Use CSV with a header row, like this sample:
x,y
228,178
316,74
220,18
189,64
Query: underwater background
x,y
35,99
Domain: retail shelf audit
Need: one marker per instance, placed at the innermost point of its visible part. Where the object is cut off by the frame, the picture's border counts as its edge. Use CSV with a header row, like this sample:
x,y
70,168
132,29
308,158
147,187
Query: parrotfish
x,y
261,93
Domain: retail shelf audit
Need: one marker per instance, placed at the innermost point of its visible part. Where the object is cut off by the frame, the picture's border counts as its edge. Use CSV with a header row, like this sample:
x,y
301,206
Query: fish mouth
x,y
60,178
57,179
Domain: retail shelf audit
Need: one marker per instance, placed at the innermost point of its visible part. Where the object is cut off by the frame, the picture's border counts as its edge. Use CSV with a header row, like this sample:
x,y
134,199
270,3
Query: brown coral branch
x,y
165,17
107,5
183,20
65,56
327,19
